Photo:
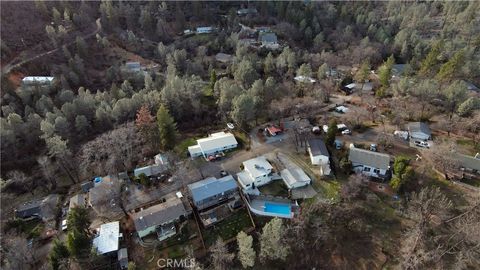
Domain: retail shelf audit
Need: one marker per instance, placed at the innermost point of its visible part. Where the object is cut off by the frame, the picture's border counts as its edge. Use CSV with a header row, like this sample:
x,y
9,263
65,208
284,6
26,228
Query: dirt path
x,y
19,61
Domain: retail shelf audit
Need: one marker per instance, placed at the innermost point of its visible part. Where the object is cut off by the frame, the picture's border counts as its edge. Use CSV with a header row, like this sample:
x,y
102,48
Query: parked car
x,y
230,125
373,147
223,173
346,132
421,144
64,225
316,130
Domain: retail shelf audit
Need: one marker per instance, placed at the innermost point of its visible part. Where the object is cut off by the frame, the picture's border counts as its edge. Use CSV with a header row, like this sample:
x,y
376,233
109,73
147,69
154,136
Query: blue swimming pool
x,y
278,208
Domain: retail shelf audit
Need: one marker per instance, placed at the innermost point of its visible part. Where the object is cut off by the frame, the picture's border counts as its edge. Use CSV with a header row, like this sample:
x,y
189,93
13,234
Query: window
x,y
376,171
366,169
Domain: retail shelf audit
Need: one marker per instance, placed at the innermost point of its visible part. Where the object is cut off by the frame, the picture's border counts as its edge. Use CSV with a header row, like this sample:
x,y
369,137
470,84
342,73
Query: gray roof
x,y
211,186
419,127
317,147
469,162
28,209
369,158
268,37
150,170
398,68
159,214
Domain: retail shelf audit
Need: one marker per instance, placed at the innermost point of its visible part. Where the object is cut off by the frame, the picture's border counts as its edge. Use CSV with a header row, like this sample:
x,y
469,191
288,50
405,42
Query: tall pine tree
x,y
167,128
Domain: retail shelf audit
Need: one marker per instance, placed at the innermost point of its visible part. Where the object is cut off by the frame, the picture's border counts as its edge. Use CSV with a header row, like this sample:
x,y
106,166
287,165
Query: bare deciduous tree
x,y
221,258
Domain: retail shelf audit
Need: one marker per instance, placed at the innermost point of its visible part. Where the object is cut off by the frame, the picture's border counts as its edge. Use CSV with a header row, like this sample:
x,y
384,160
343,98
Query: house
x,y
366,86
38,80
29,210
86,186
256,172
268,40
211,191
472,87
398,70
304,79
419,131
133,66
45,209
319,155
368,162
273,130
160,218
204,30
104,197
224,58
246,11
122,256
213,144
107,239
469,164
150,171
161,159
261,29
78,200
295,178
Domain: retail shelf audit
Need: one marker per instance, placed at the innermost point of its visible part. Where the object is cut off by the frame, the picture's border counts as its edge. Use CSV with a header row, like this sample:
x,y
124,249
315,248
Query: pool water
x,y
283,209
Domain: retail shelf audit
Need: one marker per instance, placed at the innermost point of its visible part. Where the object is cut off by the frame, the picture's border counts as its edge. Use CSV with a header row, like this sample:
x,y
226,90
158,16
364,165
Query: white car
x,y
422,144
346,132
64,225
230,126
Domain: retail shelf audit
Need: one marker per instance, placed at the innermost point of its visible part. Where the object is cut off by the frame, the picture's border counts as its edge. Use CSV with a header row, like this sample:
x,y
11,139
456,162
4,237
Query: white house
x,y
295,178
419,131
37,80
319,155
107,238
368,162
256,172
204,30
304,79
215,143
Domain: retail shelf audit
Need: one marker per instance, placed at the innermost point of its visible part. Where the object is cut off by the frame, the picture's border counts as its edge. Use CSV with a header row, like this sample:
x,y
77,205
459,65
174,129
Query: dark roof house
x,y
147,220
318,147
45,208
369,158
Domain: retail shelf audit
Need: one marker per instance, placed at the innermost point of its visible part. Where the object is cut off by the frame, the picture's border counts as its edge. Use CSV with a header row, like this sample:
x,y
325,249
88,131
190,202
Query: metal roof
x,y
150,170
469,162
38,79
107,239
210,187
159,214
419,127
318,147
216,141
268,37
292,176
369,158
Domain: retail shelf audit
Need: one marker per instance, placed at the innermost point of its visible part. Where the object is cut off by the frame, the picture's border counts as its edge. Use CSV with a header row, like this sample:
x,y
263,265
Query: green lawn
x,y
275,188
181,147
228,228
328,189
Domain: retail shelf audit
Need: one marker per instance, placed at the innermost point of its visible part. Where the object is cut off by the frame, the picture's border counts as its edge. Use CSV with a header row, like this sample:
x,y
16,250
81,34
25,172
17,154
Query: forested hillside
x,y
99,117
